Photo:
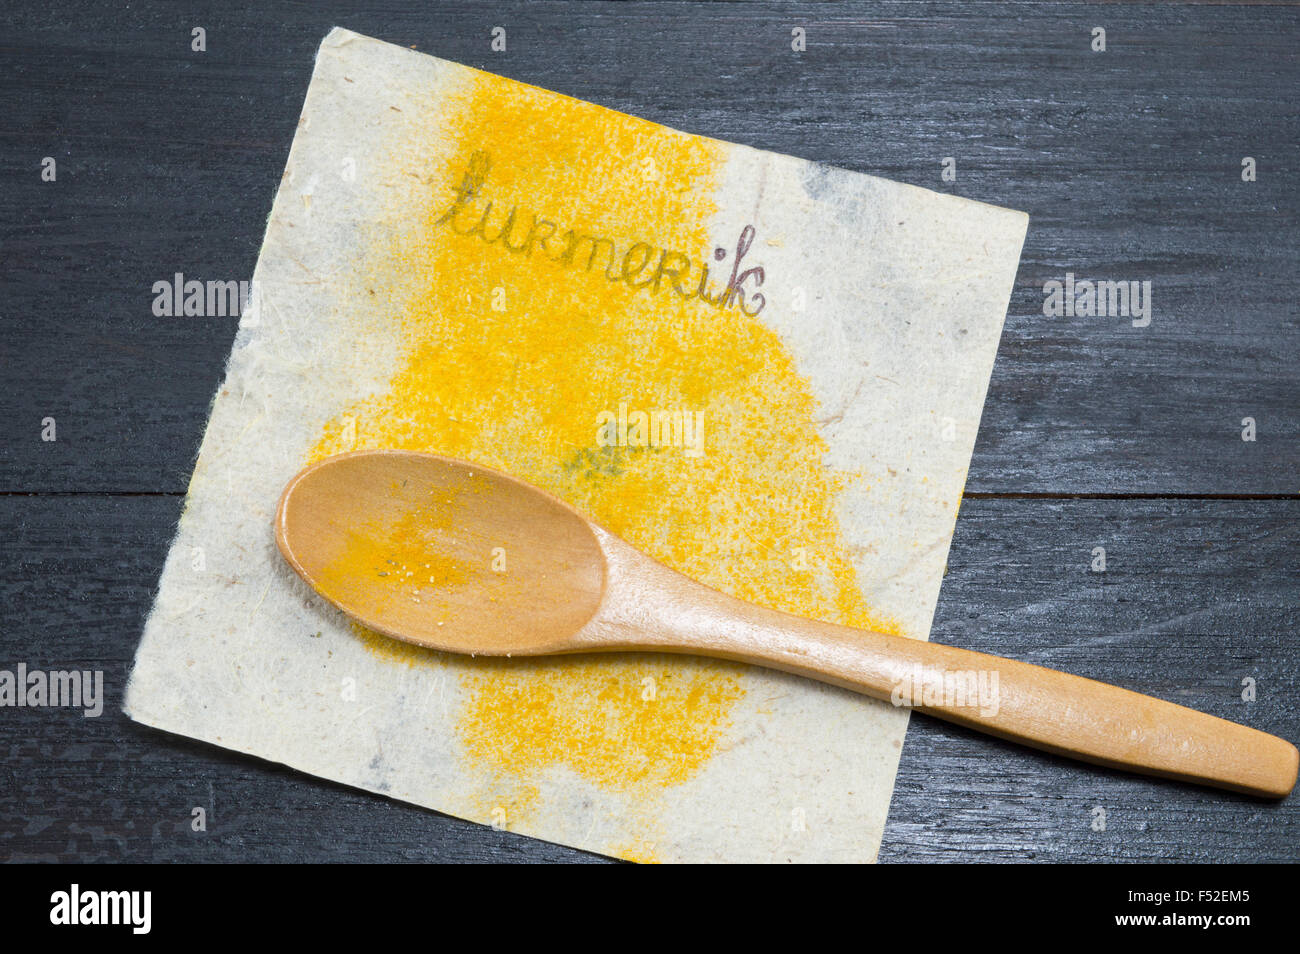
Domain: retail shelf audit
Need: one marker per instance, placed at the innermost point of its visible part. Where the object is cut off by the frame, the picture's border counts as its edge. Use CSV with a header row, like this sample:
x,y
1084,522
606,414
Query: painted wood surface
x,y
1096,433
1197,597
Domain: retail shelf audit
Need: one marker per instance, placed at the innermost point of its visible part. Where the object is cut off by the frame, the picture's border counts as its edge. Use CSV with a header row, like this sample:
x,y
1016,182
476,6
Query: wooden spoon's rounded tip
x,y
280,524
1268,765
1288,769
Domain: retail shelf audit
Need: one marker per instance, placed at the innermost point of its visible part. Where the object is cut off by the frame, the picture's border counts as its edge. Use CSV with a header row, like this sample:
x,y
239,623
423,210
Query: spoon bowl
x,y
442,553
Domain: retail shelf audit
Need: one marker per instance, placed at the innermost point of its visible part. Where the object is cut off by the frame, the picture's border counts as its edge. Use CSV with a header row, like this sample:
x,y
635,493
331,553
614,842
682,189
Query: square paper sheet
x,y
464,264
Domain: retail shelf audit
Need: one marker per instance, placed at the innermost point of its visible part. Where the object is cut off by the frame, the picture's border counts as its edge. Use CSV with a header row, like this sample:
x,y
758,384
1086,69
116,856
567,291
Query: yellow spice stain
x,y
401,557
510,359
641,852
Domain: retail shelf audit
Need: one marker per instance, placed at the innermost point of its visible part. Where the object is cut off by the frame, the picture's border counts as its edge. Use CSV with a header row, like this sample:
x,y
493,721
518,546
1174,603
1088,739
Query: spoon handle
x,y
1068,715
1055,711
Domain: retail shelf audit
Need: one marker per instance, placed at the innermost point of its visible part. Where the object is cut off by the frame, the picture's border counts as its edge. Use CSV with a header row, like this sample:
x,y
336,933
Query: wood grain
x,y
1198,595
1128,163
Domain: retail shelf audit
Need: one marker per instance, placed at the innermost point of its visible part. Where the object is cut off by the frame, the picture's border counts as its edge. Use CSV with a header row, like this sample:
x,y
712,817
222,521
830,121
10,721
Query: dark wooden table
x,y
1096,433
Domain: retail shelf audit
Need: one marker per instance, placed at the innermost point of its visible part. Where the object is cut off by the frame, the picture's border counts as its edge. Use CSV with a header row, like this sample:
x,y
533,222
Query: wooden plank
x,y
1197,595
1128,162
77,578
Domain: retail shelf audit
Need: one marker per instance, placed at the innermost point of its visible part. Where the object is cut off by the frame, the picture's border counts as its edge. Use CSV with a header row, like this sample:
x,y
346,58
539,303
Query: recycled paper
x,y
764,372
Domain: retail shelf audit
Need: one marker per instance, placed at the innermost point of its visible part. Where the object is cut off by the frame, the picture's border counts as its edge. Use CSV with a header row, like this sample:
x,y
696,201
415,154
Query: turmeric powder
x,y
509,361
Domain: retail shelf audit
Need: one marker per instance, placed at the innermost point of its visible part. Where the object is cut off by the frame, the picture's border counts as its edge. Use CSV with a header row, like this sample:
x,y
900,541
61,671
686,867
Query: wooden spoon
x,y
456,557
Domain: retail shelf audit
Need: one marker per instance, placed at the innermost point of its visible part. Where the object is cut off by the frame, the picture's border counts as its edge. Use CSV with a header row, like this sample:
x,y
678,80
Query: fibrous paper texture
x,y
762,371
